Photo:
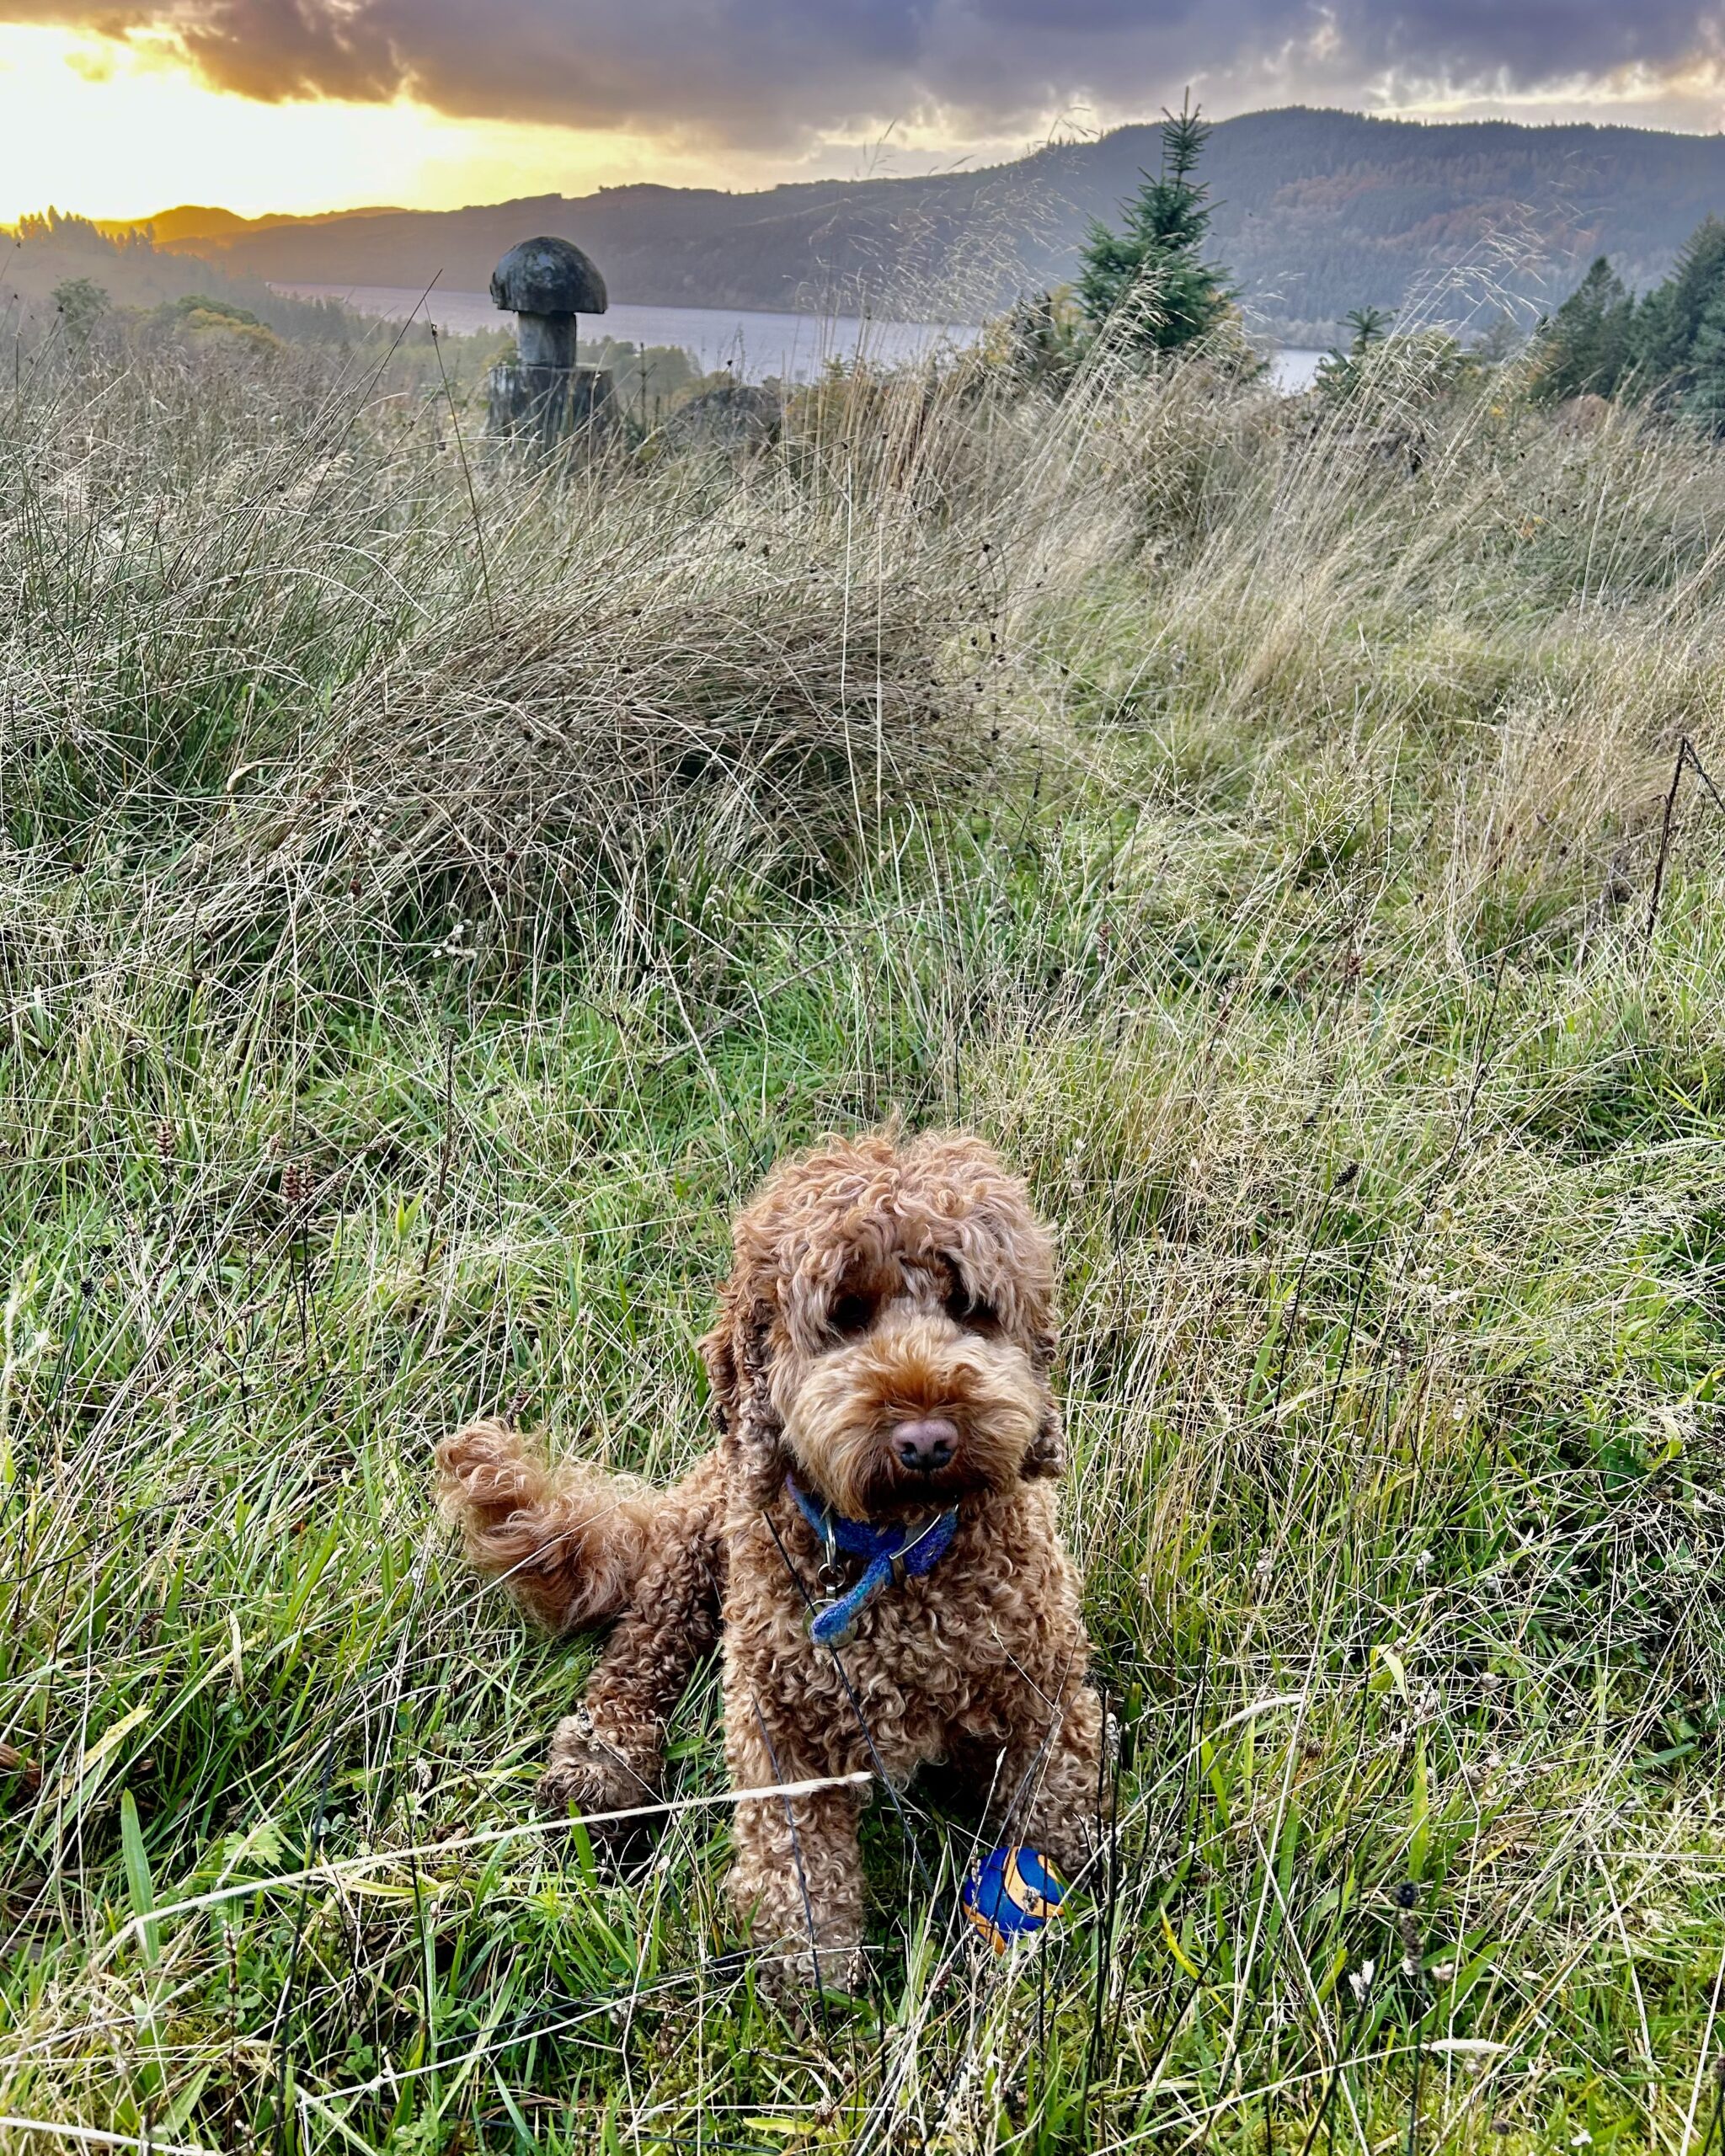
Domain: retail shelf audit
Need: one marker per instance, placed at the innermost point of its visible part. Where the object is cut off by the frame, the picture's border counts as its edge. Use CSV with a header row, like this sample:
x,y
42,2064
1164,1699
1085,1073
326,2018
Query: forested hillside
x,y
50,251
1317,212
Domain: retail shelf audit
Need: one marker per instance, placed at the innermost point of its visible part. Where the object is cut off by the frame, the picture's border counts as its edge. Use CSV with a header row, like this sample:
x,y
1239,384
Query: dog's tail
x,y
568,1542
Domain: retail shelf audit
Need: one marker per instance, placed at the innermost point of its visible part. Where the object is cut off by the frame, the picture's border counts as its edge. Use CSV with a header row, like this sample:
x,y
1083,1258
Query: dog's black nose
x,y
926,1445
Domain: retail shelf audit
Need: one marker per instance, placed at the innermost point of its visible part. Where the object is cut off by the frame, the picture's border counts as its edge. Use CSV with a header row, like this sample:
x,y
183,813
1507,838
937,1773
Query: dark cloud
x,y
719,67
765,74
1531,42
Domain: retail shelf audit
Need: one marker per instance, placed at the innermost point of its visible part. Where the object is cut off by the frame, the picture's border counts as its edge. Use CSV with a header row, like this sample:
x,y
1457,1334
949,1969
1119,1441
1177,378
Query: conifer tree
x,y
1591,344
1340,373
1669,348
1371,326
1673,313
1149,283
1703,397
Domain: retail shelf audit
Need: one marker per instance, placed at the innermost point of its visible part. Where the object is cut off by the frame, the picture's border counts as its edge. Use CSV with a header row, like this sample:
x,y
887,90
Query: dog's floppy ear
x,y
735,1353
1045,1458
719,1352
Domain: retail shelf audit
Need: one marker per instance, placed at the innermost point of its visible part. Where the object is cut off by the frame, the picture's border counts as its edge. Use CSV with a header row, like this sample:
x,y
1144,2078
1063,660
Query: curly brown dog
x,y
883,1482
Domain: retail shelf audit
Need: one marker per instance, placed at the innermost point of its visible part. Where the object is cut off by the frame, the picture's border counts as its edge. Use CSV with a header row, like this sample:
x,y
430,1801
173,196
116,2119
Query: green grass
x,y
1271,877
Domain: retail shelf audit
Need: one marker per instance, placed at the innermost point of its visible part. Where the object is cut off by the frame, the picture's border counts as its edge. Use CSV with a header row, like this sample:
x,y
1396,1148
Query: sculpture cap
x,y
549,277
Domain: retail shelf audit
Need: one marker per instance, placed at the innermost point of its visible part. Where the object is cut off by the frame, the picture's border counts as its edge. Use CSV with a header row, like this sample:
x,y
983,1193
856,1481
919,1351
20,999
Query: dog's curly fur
x,y
875,1283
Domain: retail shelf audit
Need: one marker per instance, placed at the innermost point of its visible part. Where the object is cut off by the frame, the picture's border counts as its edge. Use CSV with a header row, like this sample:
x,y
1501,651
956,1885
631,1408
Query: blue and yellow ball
x,y
1010,1893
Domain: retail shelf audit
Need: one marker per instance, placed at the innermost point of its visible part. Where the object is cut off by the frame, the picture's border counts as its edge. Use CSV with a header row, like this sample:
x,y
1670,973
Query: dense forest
x,y
1316,213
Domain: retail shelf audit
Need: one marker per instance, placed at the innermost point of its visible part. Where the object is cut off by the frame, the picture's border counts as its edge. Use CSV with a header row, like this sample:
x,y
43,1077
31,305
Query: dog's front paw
x,y
586,1774
794,1976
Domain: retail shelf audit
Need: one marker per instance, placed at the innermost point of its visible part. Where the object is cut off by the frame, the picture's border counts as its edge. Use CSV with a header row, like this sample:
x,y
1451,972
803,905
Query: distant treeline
x,y
1317,213
42,255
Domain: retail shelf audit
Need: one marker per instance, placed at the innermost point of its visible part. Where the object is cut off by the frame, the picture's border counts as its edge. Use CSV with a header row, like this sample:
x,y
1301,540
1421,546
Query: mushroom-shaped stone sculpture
x,y
546,283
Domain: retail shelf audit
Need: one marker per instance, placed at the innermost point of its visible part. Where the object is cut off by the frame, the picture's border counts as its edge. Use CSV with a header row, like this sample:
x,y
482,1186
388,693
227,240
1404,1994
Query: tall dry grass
x,y
427,908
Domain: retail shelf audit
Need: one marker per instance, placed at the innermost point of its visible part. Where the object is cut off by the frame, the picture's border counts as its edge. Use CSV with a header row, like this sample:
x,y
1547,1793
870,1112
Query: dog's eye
x,y
963,1309
851,1314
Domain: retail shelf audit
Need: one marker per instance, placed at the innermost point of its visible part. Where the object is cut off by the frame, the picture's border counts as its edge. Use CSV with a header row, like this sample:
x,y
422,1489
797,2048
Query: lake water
x,y
1293,368
794,347
753,345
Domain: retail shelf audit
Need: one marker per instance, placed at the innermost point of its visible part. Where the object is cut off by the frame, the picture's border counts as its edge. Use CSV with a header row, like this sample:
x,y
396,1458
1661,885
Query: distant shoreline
x,y
750,342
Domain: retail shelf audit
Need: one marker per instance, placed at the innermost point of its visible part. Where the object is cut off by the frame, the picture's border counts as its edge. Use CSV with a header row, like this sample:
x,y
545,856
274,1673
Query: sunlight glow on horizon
x,y
119,130
104,129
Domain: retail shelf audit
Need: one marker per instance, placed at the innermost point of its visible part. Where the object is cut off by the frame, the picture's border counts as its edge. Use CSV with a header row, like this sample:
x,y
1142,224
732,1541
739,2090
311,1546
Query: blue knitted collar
x,y
890,1555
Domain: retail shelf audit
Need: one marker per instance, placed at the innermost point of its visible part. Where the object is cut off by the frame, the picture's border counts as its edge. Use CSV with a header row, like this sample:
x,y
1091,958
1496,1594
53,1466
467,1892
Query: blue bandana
x,y
890,1554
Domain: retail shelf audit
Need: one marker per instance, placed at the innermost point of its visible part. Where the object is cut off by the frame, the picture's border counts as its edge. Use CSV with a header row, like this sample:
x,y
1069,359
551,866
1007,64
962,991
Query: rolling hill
x,y
1318,211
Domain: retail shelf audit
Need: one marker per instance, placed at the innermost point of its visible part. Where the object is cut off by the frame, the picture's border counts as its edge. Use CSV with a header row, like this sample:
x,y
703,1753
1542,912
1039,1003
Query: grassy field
x,y
428,901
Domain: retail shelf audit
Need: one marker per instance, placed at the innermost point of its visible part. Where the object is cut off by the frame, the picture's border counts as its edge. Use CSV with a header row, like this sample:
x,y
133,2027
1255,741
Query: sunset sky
x,y
134,105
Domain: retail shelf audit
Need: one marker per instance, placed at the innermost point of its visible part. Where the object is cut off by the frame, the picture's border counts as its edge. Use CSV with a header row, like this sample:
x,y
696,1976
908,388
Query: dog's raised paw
x,y
487,1468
